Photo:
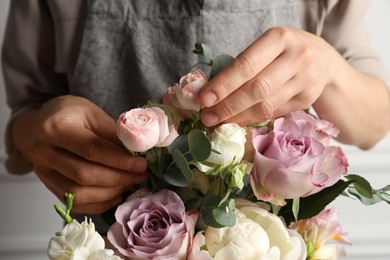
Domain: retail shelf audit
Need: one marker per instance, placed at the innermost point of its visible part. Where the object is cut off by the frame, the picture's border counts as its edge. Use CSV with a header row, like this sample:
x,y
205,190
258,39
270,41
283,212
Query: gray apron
x,y
132,50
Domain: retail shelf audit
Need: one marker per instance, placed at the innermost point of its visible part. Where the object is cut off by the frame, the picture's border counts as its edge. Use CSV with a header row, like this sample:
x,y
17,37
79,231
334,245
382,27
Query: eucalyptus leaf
x,y
199,145
175,177
205,50
217,216
182,164
363,199
219,63
162,162
386,188
361,185
180,143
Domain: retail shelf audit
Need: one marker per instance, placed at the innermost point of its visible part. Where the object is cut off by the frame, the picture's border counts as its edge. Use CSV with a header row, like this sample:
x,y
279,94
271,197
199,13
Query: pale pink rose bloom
x,y
186,94
320,129
153,226
141,129
289,164
320,229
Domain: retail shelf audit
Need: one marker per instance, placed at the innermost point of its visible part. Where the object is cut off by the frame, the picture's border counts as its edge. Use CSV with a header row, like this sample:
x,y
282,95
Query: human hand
x,y
76,150
284,70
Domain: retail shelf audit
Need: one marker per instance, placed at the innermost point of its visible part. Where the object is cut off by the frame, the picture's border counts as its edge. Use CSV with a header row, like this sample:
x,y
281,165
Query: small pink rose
x,y
186,94
153,226
141,129
289,164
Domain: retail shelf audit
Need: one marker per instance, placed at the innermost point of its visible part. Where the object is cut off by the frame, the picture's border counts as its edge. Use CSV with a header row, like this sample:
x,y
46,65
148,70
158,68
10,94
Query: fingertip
x,y
140,164
209,118
208,98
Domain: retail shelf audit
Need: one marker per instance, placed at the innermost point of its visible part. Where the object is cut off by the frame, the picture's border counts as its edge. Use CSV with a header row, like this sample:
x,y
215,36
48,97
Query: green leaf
x,y
361,185
182,164
217,216
181,143
199,145
175,177
386,188
162,162
205,51
363,199
314,204
219,63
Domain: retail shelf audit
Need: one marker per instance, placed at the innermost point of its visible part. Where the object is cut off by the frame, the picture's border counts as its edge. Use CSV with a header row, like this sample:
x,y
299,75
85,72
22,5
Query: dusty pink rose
x,y
153,226
185,94
320,129
289,164
320,229
143,128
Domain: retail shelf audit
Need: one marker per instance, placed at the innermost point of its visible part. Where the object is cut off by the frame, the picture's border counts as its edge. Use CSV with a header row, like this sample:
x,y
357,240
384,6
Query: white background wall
x,y
28,220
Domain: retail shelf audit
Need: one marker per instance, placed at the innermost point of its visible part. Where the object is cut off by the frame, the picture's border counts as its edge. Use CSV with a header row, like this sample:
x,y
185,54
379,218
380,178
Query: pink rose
x,y
289,164
320,129
153,226
186,94
143,128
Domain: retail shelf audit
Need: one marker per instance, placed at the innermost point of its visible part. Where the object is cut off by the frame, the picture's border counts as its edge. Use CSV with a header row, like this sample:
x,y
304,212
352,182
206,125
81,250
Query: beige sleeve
x,y
28,57
341,24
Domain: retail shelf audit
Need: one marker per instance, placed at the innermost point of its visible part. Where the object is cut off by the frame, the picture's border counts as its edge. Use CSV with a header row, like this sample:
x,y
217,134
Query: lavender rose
x,y
143,128
322,130
289,164
152,226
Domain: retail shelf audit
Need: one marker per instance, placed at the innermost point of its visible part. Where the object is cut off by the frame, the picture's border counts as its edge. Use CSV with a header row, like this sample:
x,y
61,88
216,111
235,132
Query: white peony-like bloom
x,y
229,140
257,235
79,242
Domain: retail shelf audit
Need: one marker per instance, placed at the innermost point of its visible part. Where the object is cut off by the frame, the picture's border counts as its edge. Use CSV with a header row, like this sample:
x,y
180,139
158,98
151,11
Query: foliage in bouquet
x,y
212,191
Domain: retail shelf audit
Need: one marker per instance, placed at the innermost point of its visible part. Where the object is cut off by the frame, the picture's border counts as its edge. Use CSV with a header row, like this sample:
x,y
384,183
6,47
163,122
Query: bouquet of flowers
x,y
228,192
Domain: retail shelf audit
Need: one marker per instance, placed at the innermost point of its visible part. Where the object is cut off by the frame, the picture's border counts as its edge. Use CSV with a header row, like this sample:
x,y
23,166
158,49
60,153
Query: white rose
x,y
229,140
257,234
79,241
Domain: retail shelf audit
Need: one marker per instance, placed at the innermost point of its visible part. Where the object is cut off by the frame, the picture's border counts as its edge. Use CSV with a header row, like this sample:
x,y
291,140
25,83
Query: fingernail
x,y
140,165
209,119
209,99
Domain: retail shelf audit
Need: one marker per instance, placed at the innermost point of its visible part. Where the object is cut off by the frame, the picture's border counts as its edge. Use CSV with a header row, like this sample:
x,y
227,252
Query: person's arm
x,y
288,69
68,141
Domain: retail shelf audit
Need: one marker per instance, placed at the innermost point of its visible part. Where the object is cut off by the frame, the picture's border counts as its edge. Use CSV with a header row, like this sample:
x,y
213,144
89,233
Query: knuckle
x,y
266,109
246,65
261,88
306,54
281,33
83,176
89,150
226,109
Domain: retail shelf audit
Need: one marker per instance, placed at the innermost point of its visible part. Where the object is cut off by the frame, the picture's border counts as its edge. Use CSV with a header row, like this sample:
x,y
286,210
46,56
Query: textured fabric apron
x,y
132,50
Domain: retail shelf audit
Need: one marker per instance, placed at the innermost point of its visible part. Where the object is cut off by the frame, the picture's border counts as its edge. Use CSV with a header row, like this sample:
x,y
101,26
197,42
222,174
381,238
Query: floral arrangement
x,y
228,192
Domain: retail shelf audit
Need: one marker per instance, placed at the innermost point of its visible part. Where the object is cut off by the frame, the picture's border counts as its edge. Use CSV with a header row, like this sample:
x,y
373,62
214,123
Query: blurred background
x,y
28,219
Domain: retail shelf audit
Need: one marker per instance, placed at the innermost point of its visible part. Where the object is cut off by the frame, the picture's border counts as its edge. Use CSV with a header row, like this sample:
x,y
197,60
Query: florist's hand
x,y
284,70
76,150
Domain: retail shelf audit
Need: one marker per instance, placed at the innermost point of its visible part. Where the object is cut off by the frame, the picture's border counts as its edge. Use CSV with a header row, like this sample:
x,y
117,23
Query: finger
x,y
247,64
59,185
97,208
86,172
266,83
91,147
105,127
278,104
